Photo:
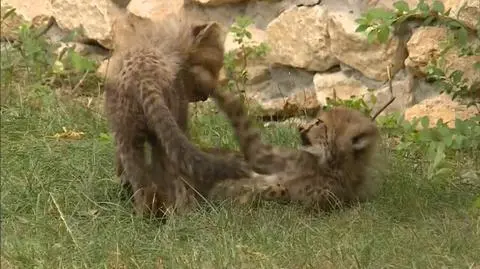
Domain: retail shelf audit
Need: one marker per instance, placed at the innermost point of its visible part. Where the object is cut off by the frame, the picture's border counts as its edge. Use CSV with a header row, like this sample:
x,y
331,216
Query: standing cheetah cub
x,y
330,169
156,69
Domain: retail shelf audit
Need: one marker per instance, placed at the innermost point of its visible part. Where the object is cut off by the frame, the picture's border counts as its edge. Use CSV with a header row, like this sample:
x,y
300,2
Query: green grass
x,y
63,208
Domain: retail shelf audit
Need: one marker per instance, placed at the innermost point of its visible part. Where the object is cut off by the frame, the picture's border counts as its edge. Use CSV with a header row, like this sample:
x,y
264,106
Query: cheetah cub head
x,y
341,137
199,44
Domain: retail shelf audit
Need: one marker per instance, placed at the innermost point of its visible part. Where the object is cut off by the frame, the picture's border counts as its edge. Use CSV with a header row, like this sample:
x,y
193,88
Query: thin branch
x,y
383,108
51,22
390,87
80,82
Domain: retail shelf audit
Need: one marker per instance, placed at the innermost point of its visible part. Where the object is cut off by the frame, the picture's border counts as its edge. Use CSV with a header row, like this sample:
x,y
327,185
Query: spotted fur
x,y
157,67
329,169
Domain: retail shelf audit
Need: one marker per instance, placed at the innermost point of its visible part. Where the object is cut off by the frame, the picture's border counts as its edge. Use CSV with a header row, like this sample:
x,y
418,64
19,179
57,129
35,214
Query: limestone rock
x,y
261,12
95,17
337,84
281,91
440,107
299,38
343,86
218,2
411,3
102,69
402,90
467,11
299,103
154,9
257,73
425,45
353,49
32,14
29,9
10,26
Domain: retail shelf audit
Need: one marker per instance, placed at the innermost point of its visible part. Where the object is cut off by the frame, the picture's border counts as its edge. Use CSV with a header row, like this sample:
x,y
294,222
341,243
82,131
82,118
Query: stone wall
x,y
315,50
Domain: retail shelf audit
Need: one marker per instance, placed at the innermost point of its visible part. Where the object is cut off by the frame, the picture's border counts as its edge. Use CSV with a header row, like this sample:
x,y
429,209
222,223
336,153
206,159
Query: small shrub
x,y
436,141
33,60
354,102
236,61
378,24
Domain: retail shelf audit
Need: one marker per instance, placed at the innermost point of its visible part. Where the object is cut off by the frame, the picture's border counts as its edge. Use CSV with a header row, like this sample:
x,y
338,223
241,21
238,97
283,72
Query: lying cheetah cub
x,y
330,169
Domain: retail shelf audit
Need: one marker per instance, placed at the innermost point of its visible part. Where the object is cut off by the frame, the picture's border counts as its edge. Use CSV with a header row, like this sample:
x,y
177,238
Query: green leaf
x,y
361,28
362,20
477,66
442,171
373,99
428,21
425,122
426,135
380,13
372,36
477,203
444,86
462,36
243,21
80,63
433,70
460,126
455,24
459,141
431,153
423,7
440,123
448,140
383,34
456,76
475,119
105,137
440,155
438,7
401,6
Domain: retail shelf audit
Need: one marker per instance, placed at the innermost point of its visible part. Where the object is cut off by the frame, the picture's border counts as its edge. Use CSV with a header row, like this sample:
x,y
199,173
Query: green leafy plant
x,y
236,61
44,62
355,102
378,24
455,84
416,137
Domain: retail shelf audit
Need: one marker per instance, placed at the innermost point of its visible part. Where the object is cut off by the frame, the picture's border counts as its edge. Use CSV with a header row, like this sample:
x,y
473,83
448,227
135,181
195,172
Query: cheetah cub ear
x,y
362,141
210,33
363,136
